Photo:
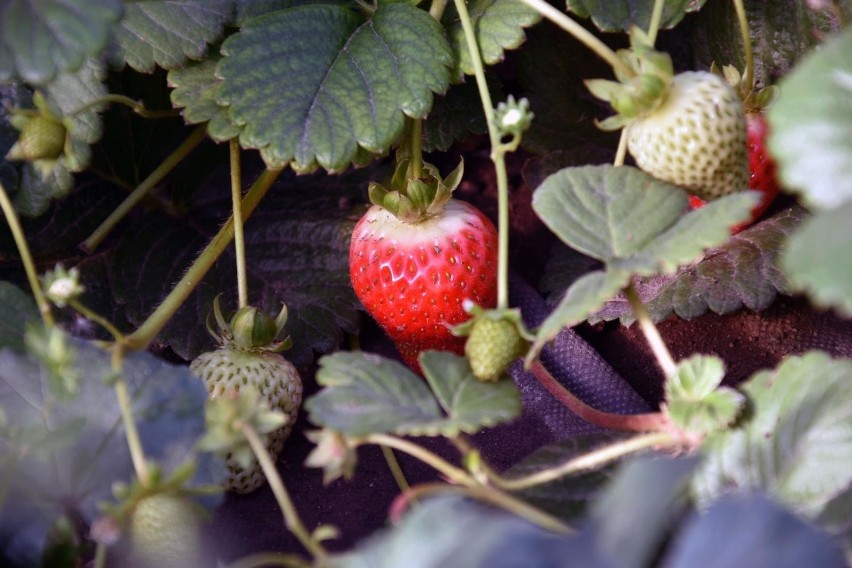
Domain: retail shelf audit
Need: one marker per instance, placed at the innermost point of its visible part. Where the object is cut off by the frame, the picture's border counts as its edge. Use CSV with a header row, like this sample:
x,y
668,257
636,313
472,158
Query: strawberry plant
x,y
553,281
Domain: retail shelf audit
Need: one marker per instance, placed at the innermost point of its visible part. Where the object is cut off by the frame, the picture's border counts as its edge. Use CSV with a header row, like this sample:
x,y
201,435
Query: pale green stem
x,y
135,106
591,460
652,334
581,34
656,18
416,148
97,318
621,153
143,188
436,10
453,473
239,234
158,319
742,20
267,559
134,441
497,156
288,510
100,555
395,469
497,498
26,257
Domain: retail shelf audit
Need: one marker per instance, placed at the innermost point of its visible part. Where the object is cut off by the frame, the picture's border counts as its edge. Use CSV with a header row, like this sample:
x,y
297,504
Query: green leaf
x,y
818,259
796,441
39,40
167,33
743,272
498,25
810,125
196,90
71,474
366,394
621,15
585,296
694,400
16,309
332,84
470,404
607,212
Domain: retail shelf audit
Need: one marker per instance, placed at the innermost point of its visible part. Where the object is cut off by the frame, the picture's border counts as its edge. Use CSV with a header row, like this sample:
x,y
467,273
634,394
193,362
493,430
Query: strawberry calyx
x,y
415,198
250,329
641,92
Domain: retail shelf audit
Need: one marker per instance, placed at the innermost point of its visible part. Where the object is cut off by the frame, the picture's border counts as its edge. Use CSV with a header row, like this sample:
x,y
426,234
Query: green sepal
x,y
414,199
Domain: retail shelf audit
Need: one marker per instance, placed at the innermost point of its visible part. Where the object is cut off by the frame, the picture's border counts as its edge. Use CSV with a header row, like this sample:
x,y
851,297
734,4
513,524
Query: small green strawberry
x,y
248,358
43,136
687,129
165,532
495,339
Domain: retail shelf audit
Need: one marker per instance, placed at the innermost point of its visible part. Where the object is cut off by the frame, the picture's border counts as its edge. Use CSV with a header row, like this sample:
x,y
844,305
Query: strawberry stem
x,y
416,148
26,257
134,442
742,19
581,34
436,10
140,338
653,421
592,460
90,314
652,334
288,509
395,469
498,151
656,18
173,159
239,234
136,106
451,472
267,559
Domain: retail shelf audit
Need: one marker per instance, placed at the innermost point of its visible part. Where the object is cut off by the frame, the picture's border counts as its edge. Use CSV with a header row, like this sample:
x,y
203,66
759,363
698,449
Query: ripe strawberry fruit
x,y
247,357
416,255
762,176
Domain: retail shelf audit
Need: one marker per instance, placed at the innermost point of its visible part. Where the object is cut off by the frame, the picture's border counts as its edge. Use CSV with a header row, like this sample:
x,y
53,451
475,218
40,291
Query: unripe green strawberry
x,y
696,137
274,377
492,346
165,532
42,138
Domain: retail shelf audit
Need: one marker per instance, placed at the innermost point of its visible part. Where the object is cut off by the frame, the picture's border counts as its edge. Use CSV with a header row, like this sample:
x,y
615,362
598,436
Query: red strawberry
x,y
762,176
412,270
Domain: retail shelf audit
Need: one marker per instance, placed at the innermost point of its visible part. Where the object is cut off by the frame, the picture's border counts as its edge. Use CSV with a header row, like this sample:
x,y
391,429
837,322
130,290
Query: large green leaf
x,y
818,258
169,32
743,272
621,15
796,440
314,85
196,90
498,25
64,457
367,394
810,126
39,40
16,309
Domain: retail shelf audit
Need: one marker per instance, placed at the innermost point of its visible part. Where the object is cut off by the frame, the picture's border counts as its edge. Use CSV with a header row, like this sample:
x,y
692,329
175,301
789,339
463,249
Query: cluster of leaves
x,y
334,95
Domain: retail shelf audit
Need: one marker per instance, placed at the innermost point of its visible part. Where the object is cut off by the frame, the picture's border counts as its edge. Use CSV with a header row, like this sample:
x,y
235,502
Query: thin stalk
x,y
492,496
134,441
652,334
173,159
656,18
140,338
239,234
395,469
135,106
497,156
436,10
266,559
581,34
97,318
416,148
100,556
621,152
652,421
288,510
591,460
742,20
26,257
451,472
